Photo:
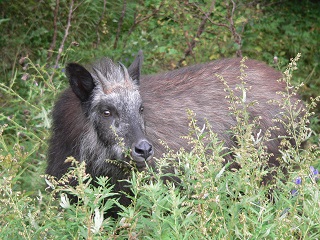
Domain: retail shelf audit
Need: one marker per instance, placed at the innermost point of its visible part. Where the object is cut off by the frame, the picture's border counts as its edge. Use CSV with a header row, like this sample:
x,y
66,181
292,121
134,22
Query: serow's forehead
x,y
112,78
121,98
121,87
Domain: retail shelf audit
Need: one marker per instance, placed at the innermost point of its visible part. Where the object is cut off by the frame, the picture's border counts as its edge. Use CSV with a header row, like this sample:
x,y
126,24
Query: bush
x,y
212,200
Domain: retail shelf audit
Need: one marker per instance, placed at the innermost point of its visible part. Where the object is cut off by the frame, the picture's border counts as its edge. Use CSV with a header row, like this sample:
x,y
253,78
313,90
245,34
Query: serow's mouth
x,y
141,164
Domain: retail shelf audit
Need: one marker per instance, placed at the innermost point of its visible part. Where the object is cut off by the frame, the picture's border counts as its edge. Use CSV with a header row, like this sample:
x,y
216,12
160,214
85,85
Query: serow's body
x,y
109,111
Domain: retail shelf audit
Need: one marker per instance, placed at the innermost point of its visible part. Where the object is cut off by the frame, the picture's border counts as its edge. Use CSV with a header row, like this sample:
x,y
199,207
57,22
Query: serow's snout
x,y
142,152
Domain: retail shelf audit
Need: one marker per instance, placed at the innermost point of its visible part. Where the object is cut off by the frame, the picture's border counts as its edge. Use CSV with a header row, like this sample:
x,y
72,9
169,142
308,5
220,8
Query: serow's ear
x,y
135,68
80,81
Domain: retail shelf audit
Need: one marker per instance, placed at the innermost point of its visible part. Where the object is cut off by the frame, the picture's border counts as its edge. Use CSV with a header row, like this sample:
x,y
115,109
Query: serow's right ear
x,y
135,68
80,81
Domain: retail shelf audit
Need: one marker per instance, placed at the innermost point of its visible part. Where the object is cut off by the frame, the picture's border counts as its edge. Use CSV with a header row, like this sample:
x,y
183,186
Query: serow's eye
x,y
106,113
141,109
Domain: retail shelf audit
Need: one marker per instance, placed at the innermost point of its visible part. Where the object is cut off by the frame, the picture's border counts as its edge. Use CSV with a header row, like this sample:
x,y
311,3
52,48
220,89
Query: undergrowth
x,y
211,202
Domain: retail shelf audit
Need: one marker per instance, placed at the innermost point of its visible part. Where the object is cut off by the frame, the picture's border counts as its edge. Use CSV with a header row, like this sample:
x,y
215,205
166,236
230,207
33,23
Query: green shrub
x,y
212,201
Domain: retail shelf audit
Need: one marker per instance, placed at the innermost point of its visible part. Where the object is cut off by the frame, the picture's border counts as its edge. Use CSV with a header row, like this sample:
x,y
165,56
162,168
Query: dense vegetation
x,y
39,37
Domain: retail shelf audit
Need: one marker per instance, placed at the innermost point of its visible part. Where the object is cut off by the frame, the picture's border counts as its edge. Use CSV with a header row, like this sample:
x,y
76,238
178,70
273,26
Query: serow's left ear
x,y
80,81
135,68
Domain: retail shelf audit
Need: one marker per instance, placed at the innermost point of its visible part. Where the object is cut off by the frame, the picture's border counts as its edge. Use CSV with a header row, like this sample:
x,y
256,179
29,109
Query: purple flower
x,y
314,173
298,181
294,192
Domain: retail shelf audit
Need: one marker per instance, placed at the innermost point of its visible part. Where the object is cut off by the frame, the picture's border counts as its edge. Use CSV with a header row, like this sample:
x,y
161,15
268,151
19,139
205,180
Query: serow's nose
x,y
144,150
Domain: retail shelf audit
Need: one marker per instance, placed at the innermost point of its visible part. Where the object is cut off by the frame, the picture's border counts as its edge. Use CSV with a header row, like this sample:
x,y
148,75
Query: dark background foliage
x,y
171,33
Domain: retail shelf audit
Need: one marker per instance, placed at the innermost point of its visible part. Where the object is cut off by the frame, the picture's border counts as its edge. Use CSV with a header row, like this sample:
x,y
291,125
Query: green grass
x,y
212,201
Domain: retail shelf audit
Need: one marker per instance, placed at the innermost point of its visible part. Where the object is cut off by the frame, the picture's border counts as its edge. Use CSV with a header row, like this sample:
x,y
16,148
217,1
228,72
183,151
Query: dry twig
x,y
98,23
55,30
236,36
64,37
123,13
200,30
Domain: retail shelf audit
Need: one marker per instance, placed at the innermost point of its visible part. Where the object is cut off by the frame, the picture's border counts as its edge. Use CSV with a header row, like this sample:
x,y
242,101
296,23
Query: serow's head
x,y
110,98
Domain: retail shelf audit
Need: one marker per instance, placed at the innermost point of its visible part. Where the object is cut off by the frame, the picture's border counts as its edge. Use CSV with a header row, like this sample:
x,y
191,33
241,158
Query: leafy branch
x,y
230,26
200,30
139,19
